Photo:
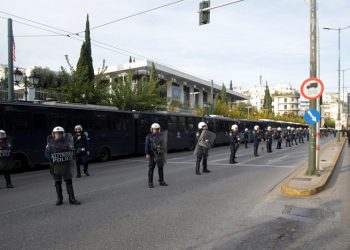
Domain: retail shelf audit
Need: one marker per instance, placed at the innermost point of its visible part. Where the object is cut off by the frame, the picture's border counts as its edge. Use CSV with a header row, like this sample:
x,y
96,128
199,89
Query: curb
x,y
313,189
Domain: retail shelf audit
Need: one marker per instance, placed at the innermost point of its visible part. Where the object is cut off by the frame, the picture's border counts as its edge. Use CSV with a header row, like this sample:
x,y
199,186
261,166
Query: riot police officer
x,y
269,137
301,135
60,151
5,157
154,150
287,136
202,149
257,137
81,150
278,137
234,140
294,135
246,137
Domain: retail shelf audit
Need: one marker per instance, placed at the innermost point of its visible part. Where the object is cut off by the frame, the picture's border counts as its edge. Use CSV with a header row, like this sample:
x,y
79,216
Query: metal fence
x,y
39,95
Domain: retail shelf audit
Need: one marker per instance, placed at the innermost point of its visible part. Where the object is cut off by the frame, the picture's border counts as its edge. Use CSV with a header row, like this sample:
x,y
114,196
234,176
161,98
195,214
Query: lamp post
x,y
33,80
338,117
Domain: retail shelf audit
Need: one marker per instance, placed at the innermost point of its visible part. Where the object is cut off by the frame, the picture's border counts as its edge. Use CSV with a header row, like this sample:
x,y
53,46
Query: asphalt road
x,y
234,207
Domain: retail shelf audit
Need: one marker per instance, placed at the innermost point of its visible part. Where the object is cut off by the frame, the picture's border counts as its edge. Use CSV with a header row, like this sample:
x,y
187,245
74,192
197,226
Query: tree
x,y
85,70
231,86
223,94
329,123
267,105
47,77
143,95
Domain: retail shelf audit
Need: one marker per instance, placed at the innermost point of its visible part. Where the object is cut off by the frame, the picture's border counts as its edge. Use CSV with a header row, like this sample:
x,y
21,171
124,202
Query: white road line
x,y
236,165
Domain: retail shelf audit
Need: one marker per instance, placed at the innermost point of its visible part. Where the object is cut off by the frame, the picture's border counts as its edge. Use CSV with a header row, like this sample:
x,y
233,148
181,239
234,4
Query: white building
x,y
186,90
330,108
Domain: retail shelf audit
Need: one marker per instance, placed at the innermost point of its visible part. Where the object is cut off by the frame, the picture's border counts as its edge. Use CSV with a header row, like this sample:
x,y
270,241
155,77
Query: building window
x,y
285,106
205,97
285,99
175,91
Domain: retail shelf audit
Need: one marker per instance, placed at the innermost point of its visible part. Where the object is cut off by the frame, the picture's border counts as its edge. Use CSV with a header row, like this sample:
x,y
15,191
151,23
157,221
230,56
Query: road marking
x,y
236,165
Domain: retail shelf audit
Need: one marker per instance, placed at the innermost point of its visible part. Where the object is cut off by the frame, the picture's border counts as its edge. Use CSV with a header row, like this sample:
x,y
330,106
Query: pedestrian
x,y
205,140
234,139
268,138
348,135
81,150
287,136
155,153
257,137
60,151
6,157
246,137
308,134
278,137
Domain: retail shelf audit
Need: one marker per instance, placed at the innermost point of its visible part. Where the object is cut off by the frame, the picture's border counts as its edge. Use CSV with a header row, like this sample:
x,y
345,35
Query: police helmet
x,y
268,128
288,128
256,127
156,126
246,129
2,133
78,127
279,129
292,128
58,129
201,125
234,127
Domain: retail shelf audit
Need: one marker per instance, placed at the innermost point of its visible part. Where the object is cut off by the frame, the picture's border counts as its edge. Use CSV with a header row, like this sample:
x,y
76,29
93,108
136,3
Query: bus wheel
x,y
19,162
105,154
192,146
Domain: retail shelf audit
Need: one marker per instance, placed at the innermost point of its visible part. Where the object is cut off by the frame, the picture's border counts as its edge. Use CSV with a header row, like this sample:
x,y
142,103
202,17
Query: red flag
x,y
14,51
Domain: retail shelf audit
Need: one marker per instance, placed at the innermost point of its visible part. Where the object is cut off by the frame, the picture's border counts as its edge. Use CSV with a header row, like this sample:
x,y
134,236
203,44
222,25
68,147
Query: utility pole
x,y
10,84
212,96
313,74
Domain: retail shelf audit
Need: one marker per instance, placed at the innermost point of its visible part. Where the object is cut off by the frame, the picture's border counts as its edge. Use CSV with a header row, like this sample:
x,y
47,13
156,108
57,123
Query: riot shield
x,y
205,140
161,154
5,154
5,147
60,151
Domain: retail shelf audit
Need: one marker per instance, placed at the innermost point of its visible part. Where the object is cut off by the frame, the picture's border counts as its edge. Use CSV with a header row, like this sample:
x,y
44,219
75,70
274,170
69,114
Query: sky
x,y
242,41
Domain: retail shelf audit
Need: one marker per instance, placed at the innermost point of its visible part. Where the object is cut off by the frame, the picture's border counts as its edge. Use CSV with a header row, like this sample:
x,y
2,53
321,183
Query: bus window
x,y
172,123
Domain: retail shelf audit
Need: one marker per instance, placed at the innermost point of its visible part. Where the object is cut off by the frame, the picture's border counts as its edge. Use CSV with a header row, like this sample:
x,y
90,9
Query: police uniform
x,y
154,150
295,136
269,137
278,137
256,135
234,140
202,149
6,158
301,135
287,136
81,152
60,152
246,138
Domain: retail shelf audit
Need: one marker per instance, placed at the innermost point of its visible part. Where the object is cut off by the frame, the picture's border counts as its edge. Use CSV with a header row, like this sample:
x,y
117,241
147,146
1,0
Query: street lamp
x,y
338,29
33,80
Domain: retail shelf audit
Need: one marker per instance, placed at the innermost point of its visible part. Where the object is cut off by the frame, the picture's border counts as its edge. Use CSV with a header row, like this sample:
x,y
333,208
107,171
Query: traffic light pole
x,y
313,74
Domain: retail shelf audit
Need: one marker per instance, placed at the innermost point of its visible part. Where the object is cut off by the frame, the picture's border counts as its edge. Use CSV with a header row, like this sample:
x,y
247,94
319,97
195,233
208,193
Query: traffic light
x,y
204,16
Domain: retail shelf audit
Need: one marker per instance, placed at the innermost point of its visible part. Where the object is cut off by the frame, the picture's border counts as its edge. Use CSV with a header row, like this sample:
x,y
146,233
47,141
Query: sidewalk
x,y
300,184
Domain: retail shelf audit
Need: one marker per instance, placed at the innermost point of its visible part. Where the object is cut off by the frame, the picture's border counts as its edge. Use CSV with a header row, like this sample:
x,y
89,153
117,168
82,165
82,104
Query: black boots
x,y
70,192
232,159
86,172
205,166
58,185
150,177
198,164
78,171
161,177
8,180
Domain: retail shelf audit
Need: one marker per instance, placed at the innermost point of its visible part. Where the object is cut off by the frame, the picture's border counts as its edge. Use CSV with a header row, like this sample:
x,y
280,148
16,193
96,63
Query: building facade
x,y
183,90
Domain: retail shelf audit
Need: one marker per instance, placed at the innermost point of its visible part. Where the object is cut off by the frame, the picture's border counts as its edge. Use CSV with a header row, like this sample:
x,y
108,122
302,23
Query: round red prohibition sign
x,y
312,88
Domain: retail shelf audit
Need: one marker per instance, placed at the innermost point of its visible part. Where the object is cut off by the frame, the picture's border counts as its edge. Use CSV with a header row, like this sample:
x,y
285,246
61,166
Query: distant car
x,y
312,85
